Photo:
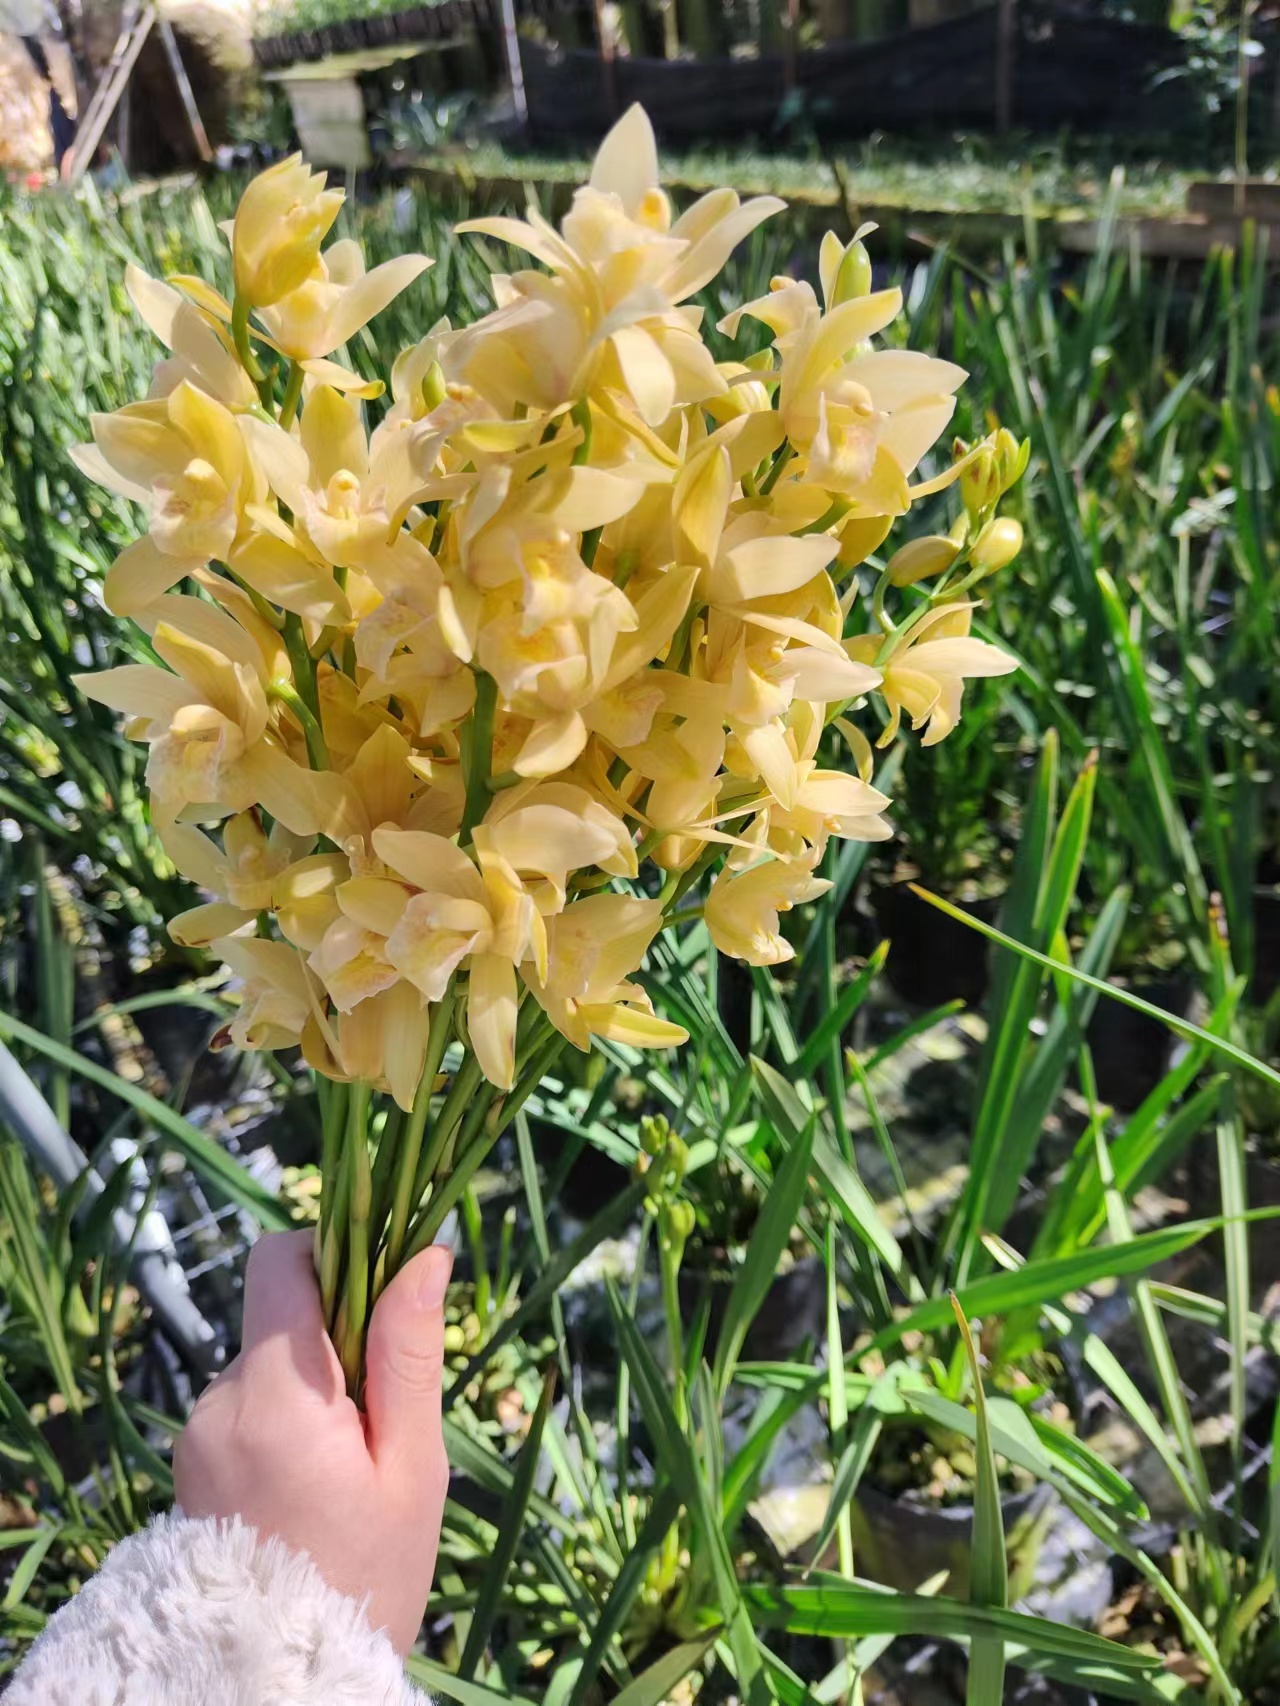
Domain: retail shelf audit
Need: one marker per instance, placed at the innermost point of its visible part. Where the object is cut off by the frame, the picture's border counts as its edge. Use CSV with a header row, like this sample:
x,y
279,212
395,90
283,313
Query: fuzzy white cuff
x,y
203,1613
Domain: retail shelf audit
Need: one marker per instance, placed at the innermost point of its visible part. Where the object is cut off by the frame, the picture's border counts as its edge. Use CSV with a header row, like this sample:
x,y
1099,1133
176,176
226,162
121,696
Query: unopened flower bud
x,y
980,482
434,389
1011,458
654,1132
997,545
676,1160
853,277
921,560
680,1219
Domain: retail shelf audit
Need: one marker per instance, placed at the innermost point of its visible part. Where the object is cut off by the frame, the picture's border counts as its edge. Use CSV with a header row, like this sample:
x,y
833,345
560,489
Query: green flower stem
x,y
669,1254
404,1200
317,751
481,755
448,1196
292,395
887,625
328,639
464,1087
590,545
329,1270
581,417
837,511
493,1120
268,612
334,1117
780,460
360,1202
302,662
244,349
384,1167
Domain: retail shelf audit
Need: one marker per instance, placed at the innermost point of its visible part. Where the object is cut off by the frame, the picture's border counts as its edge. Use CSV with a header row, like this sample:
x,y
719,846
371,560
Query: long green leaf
x,y
846,1611
1180,1027
849,1472
769,1238
655,1685
989,1566
25,1572
514,1513
208,1158
626,1587
1050,1455
454,1687
1045,1282
680,1463
610,1219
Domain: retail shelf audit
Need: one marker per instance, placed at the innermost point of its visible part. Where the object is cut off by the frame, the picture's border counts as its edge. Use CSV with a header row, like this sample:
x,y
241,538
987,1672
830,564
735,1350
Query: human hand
x,y
276,1441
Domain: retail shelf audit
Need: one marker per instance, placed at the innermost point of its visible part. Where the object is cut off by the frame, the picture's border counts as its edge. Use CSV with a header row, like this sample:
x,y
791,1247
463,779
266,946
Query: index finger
x,y
283,1319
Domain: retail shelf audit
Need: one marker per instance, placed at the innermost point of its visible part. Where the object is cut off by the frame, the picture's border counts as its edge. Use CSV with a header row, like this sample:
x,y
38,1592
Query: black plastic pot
x,y
1131,1052
933,957
794,1308
904,1541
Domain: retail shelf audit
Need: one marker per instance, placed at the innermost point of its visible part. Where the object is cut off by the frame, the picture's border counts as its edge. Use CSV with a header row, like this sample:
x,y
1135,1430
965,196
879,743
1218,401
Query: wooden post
x,y
1006,55
185,91
511,45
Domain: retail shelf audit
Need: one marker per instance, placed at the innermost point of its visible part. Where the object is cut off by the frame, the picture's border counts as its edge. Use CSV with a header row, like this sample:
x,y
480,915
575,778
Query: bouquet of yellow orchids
x,y
451,716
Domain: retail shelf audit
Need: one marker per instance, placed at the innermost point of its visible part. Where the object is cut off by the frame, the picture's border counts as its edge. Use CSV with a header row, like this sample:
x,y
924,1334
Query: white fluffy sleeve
x,y
203,1613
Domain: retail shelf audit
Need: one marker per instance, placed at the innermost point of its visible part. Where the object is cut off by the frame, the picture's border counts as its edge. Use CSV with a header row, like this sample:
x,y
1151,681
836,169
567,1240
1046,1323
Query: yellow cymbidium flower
x,y
279,994
862,417
610,314
925,676
283,217
743,906
348,495
454,912
332,301
243,873
574,601
382,1041
182,456
207,723
593,946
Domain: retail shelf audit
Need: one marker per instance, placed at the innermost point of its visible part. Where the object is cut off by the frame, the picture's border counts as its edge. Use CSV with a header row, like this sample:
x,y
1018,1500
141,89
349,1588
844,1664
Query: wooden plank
x,y
106,97
185,91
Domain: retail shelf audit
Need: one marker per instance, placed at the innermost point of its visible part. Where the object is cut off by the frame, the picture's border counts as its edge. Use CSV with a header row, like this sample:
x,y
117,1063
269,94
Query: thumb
x,y
405,1364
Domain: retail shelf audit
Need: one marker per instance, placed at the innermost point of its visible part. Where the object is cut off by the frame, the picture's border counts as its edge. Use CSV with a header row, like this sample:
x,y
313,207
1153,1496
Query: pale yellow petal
x,y
333,436
647,373
295,796
552,745
626,163
429,862
491,1017
200,925
138,690
332,373
140,574
405,1029
361,301
376,903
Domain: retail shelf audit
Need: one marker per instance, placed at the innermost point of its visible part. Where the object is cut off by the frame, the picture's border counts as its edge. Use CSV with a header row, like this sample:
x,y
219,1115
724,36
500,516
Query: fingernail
x,y
447,1236
433,1282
